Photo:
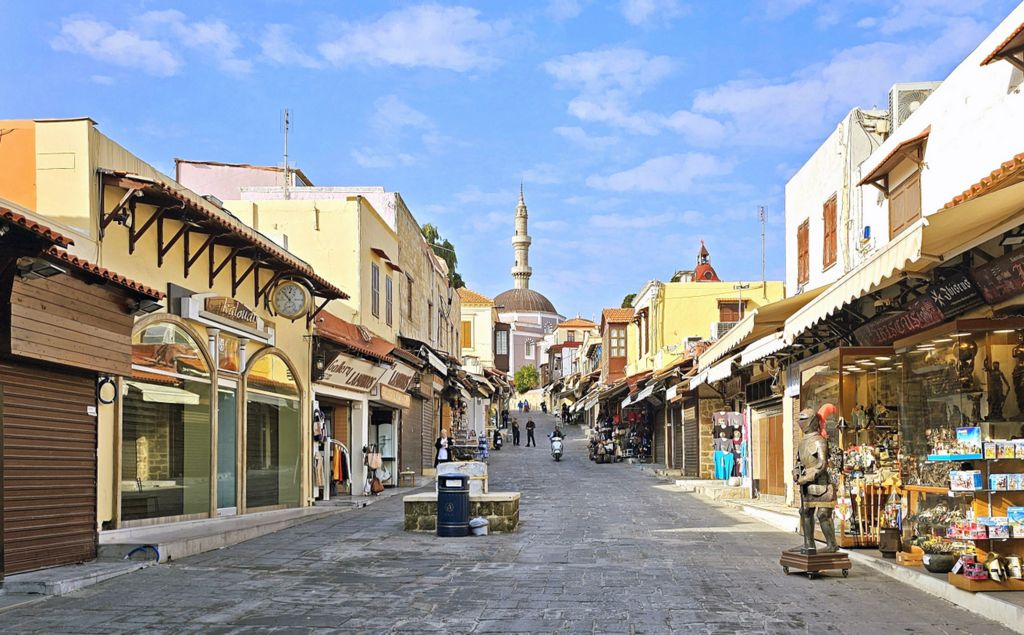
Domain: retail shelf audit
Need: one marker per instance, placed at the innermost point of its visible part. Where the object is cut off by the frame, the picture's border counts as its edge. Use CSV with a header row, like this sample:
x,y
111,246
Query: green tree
x,y
628,301
527,378
445,250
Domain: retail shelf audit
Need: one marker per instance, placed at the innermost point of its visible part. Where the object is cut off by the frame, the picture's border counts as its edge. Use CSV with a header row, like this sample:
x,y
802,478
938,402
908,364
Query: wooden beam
x,y
312,316
135,234
162,249
261,292
117,212
237,281
191,259
215,271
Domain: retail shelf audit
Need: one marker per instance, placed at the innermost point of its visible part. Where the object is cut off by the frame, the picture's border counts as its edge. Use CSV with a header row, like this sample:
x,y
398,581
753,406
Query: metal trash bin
x,y
453,505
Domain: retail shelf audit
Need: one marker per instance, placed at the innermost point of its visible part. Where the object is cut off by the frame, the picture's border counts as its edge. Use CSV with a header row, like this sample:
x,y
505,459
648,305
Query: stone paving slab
x,y
600,549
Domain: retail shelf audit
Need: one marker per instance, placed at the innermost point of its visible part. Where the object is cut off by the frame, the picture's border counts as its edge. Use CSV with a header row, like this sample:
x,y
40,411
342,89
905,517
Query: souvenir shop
x,y
634,430
729,445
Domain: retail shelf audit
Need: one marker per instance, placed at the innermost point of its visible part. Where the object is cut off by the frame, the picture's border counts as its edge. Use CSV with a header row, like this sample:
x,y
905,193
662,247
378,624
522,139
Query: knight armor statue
x,y
817,492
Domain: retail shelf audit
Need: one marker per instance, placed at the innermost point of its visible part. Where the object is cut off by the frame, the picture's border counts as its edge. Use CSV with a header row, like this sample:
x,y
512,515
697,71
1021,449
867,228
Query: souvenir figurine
x,y
997,386
817,492
966,351
1018,371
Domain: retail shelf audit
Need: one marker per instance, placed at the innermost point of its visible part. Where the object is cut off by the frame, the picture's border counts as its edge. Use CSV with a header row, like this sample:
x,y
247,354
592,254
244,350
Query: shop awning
x,y
758,323
964,223
155,393
762,348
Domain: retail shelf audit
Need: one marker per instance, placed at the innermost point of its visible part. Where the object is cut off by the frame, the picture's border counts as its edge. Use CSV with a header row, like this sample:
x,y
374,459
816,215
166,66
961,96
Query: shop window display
x,y
272,472
963,449
166,414
864,439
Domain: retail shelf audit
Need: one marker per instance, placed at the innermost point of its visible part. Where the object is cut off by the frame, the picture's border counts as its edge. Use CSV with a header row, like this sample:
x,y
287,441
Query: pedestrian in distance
x,y
515,432
530,427
443,445
504,418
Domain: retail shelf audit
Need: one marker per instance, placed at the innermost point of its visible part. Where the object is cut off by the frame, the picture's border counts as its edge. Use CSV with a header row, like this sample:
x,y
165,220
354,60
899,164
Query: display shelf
x,y
976,586
927,489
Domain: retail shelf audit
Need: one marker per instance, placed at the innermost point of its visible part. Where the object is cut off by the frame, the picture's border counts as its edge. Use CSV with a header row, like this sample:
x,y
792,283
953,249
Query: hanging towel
x,y
336,463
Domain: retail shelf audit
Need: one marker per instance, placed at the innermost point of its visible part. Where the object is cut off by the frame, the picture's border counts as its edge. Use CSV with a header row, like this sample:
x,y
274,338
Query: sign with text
x,y
231,309
942,301
353,373
955,295
1001,279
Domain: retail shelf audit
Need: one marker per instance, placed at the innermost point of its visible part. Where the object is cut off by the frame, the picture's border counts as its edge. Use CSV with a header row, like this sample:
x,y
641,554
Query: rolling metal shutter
x,y
691,442
429,434
676,414
49,466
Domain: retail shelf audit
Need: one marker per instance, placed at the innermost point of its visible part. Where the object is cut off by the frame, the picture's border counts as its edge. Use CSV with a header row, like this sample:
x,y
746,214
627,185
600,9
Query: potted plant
x,y
939,556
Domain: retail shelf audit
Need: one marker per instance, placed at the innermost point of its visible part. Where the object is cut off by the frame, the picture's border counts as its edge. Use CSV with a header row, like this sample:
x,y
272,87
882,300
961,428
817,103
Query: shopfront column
x,y
360,436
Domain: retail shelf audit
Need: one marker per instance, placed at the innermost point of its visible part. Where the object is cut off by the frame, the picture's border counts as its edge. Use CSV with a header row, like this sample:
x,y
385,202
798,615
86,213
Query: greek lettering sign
x,y
1001,279
955,295
230,309
353,373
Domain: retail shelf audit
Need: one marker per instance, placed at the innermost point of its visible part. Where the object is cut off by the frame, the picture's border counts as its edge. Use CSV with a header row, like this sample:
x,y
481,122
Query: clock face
x,y
290,299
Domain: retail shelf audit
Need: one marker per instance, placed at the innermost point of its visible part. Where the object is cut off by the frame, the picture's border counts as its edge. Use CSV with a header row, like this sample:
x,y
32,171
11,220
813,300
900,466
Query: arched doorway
x,y
273,465
165,426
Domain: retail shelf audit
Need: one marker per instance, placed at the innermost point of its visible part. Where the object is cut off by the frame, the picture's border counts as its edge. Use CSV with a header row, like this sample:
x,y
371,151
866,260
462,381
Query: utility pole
x,y
764,283
740,287
287,123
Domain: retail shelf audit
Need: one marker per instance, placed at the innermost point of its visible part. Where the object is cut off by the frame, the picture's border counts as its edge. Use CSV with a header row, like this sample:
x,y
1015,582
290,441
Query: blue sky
x,y
638,126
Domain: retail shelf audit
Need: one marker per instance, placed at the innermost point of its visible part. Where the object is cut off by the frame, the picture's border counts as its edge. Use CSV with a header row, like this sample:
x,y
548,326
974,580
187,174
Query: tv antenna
x,y
286,124
764,283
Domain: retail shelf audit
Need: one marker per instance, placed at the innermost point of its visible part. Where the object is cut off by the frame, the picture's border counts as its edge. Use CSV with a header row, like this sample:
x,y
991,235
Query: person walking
x,y
504,418
515,432
530,427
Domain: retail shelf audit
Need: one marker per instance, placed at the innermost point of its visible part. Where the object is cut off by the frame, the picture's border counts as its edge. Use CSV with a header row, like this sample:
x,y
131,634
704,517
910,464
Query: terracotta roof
x,y
633,380
1008,173
893,158
1013,41
35,227
106,274
347,334
407,357
223,220
577,323
617,316
472,297
526,300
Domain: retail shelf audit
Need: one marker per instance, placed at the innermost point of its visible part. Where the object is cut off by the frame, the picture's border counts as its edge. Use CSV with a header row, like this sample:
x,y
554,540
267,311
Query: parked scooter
x,y
498,441
556,447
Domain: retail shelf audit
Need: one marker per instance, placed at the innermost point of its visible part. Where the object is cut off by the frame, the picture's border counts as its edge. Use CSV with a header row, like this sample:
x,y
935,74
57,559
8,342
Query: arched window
x,y
165,426
272,439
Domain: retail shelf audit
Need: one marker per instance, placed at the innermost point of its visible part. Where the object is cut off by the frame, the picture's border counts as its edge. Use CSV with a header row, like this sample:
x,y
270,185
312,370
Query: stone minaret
x,y
521,271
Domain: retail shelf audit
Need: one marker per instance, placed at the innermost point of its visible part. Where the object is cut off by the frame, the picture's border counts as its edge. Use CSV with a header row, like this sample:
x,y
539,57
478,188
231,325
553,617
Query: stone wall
x,y
501,509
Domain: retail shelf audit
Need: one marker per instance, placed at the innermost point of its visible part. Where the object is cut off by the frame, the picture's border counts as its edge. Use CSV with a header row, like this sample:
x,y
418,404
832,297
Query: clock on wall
x,y
291,299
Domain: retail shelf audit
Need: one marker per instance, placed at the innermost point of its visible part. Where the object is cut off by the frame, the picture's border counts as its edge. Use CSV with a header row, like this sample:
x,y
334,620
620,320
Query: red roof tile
x,y
1008,173
577,323
106,274
617,315
467,296
1007,43
890,161
349,335
35,227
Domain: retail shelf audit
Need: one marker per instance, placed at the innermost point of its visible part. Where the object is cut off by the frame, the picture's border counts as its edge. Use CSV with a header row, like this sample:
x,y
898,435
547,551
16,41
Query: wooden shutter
x,y
904,205
467,334
829,246
803,270
728,311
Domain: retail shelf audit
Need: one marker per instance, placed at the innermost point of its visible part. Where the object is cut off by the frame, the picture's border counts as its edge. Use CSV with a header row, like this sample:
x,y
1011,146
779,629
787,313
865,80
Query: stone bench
x,y
501,509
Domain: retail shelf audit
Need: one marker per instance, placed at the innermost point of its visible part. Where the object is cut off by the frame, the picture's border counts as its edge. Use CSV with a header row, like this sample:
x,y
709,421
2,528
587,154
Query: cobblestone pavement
x,y
601,548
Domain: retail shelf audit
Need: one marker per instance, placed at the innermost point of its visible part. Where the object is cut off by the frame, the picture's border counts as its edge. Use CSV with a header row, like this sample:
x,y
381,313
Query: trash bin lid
x,y
452,480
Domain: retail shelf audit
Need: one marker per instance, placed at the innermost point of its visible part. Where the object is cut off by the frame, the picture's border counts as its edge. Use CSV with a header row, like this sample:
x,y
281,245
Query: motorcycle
x,y
498,441
556,448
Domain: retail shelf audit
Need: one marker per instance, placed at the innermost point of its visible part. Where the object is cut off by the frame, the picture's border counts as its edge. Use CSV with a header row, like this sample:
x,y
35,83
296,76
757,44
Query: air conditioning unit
x,y
905,98
690,343
719,329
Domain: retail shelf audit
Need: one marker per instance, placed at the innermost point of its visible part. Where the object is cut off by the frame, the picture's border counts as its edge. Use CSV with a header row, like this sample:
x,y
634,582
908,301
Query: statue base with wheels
x,y
814,563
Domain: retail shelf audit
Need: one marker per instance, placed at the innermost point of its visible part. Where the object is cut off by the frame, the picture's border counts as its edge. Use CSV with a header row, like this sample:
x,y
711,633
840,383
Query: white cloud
x,y
641,12
671,173
101,41
392,115
433,36
103,80
601,70
580,137
779,9
152,42
277,46
696,127
802,107
473,194
370,158
544,174
559,10
643,221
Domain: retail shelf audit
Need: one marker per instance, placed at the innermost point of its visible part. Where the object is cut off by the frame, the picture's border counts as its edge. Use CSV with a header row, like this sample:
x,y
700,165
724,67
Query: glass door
x,y
227,448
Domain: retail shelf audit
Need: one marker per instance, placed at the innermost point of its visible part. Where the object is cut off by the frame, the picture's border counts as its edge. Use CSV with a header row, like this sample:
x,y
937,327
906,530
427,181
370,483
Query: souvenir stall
x,y
864,441
634,433
730,445
963,450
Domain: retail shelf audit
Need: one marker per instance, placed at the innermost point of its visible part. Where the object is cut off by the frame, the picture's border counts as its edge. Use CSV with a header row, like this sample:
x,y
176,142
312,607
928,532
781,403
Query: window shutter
x,y
829,246
803,257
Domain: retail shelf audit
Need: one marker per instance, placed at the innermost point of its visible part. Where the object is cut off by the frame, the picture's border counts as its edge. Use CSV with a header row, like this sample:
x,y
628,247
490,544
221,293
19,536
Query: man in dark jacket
x,y
530,426
515,432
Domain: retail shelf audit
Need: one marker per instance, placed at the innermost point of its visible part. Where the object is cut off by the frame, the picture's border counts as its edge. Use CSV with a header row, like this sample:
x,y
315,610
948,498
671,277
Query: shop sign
x,y
942,301
353,373
395,396
919,315
399,377
1001,279
231,309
